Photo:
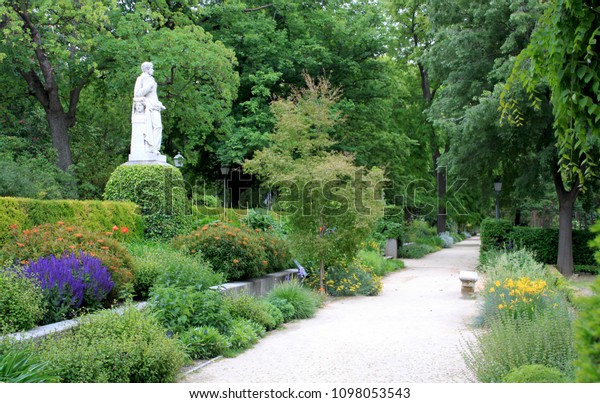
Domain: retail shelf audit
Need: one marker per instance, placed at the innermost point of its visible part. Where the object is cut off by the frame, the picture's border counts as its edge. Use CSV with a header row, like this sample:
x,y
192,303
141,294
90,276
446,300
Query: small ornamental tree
x,y
332,204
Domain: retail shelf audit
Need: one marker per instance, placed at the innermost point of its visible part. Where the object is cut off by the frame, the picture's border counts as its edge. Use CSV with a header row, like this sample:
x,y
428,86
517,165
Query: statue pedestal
x,y
146,158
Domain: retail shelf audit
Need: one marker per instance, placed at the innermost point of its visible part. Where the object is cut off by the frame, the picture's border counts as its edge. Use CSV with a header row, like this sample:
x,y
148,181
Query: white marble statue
x,y
146,124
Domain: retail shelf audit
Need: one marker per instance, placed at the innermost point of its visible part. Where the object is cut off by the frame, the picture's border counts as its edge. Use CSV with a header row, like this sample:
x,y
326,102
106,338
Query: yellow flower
x,y
497,283
492,289
500,306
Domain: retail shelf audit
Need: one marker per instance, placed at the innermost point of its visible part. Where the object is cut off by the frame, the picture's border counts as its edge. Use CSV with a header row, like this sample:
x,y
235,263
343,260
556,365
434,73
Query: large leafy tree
x,y
59,48
343,40
563,55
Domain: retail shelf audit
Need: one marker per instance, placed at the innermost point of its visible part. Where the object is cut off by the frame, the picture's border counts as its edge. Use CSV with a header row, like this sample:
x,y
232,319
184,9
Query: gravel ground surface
x,y
411,332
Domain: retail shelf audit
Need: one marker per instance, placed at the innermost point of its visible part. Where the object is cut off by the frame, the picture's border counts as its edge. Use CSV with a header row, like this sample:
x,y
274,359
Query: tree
x,y
59,48
50,46
563,53
275,43
412,18
332,204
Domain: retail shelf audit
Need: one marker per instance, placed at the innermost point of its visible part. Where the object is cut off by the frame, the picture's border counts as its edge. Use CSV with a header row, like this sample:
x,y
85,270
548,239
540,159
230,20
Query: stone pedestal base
x,y
147,158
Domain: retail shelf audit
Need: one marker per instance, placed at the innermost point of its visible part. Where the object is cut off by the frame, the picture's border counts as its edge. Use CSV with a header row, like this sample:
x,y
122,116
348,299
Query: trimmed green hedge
x,y
159,190
97,216
494,233
542,241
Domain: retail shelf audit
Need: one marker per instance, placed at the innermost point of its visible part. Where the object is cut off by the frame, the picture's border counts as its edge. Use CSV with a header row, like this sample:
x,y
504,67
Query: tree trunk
x,y
59,127
441,182
566,201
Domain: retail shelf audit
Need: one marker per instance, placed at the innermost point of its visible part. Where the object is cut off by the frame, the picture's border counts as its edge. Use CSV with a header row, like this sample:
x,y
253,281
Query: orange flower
x,y
14,226
124,230
257,230
60,238
264,262
71,246
20,245
115,228
235,261
59,223
69,229
108,233
204,228
78,235
24,261
100,241
104,247
217,238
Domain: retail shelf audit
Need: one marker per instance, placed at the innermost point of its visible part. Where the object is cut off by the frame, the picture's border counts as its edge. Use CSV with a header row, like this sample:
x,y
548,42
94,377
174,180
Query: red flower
x,y
124,230
115,228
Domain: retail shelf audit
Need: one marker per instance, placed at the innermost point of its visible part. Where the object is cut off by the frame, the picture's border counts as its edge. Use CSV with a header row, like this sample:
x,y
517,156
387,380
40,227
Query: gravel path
x,y
411,332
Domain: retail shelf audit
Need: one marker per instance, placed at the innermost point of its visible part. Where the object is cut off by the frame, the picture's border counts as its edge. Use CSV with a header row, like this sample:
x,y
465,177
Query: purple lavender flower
x,y
71,281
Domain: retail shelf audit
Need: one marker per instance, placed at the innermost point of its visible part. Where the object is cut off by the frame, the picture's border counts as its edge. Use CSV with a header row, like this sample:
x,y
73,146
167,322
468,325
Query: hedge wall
x,y
542,241
97,216
494,233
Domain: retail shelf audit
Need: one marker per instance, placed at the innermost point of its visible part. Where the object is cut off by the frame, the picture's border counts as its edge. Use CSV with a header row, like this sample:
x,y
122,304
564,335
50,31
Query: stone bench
x,y
468,279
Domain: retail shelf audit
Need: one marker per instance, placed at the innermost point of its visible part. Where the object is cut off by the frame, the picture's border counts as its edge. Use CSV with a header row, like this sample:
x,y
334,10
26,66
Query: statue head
x,y
147,67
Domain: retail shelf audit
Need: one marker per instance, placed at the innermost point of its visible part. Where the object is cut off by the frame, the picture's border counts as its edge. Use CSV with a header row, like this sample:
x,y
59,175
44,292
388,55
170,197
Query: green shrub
x,y
109,347
204,342
415,251
534,374
21,302
287,310
19,364
159,191
95,216
239,253
256,310
494,234
378,263
276,315
304,300
157,263
587,337
348,279
264,220
512,343
56,239
181,309
243,333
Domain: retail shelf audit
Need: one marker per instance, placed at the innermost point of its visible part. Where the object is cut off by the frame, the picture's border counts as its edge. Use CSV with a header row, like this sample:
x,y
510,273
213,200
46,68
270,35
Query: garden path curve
x,y
411,332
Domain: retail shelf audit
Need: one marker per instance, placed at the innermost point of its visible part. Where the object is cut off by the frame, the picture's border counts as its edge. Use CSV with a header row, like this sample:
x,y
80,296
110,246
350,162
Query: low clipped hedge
x,y
96,216
499,234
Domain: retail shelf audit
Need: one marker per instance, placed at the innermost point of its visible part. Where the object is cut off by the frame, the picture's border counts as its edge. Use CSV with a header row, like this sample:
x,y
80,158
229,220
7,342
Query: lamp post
x,y
225,172
178,160
497,189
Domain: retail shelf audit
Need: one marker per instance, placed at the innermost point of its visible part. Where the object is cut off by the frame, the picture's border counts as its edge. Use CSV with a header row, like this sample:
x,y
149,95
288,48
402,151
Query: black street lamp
x,y
225,172
497,189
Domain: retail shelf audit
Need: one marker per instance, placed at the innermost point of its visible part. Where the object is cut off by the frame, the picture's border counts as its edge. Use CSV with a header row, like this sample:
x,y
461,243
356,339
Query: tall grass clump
x,y
500,265
510,343
19,364
304,301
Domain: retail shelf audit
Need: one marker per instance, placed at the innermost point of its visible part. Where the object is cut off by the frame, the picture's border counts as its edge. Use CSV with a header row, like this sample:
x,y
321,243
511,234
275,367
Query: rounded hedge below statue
x,y
159,191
